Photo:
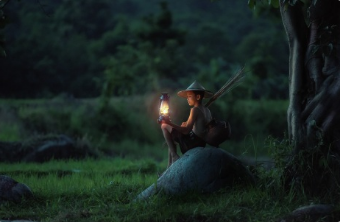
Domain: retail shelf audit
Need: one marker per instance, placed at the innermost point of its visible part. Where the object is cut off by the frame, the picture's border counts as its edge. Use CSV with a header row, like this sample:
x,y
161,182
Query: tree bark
x,y
314,92
293,21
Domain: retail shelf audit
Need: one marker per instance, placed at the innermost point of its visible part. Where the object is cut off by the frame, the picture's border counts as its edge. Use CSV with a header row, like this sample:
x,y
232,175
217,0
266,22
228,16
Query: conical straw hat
x,y
195,86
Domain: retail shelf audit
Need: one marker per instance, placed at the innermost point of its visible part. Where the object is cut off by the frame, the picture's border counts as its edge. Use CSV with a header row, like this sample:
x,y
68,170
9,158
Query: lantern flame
x,y
164,108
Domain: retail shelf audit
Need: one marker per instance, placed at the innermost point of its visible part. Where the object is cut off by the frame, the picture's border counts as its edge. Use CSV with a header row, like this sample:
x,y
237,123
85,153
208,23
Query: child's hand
x,y
167,121
184,124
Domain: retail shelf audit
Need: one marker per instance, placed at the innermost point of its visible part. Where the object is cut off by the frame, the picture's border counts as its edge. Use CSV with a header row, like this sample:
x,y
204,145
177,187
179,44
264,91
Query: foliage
x,y
327,40
104,125
108,128
9,132
154,55
63,47
311,170
82,119
10,128
262,117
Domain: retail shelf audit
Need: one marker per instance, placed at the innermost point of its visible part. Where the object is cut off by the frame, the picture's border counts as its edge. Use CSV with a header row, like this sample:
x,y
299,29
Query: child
x,y
192,132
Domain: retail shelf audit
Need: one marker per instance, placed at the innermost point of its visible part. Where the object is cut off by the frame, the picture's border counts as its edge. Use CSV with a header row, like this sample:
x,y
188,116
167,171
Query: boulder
x,y
57,147
201,170
11,190
44,148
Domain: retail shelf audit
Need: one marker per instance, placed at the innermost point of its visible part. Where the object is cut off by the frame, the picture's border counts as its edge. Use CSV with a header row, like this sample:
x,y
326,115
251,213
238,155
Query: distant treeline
x,y
124,47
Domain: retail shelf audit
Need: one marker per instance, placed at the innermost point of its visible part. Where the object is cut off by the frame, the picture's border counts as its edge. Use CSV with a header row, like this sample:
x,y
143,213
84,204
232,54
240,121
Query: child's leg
x,y
169,159
173,156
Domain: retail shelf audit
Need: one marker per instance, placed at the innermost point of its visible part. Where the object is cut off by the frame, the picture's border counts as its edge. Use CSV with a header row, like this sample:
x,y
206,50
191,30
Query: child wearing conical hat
x,y
191,133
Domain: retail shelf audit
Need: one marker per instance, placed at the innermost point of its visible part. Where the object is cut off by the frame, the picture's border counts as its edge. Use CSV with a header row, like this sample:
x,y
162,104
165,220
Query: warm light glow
x,y
164,108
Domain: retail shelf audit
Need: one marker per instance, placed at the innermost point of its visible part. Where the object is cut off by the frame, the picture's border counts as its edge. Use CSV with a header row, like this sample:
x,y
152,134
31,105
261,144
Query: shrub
x,y
254,117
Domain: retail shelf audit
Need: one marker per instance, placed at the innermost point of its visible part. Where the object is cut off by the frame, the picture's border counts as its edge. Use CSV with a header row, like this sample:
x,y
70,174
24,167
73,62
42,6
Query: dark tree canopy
x,y
77,48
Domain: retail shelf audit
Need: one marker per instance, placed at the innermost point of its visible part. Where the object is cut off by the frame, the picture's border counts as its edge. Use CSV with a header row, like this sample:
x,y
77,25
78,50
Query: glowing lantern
x,y
164,110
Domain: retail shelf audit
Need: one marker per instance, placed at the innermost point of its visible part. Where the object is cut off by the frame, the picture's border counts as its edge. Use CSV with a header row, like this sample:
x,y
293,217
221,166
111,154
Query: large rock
x,y
44,148
202,170
57,147
11,190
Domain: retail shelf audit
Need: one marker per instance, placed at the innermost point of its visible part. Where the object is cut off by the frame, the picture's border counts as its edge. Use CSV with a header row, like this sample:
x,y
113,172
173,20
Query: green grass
x,y
9,132
103,190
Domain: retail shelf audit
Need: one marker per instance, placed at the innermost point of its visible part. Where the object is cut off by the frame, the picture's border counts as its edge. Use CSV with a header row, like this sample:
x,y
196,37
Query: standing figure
x,y
191,133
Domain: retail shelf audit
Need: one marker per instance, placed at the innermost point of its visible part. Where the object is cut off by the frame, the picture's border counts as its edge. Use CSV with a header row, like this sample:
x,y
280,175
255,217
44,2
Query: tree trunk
x,y
314,92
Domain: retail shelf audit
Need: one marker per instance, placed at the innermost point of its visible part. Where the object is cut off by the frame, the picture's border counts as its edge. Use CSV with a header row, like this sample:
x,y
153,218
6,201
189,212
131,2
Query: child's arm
x,y
186,127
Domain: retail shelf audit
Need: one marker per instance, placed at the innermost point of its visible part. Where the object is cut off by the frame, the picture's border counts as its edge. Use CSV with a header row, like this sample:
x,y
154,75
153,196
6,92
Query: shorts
x,y
187,141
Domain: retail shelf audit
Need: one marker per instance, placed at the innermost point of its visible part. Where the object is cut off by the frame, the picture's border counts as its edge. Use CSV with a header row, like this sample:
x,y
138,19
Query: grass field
x,y
104,190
